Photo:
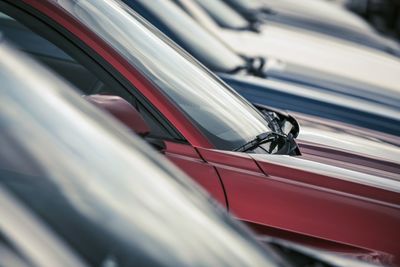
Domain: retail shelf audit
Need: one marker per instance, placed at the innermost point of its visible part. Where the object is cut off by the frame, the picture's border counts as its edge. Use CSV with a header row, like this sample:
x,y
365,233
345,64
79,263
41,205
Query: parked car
x,y
273,83
240,155
317,16
348,65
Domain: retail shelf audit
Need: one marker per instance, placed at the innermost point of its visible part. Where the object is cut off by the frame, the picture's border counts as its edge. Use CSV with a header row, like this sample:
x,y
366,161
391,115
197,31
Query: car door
x,y
312,208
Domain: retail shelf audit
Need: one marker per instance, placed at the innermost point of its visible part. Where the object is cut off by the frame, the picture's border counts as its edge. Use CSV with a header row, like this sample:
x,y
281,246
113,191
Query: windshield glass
x,y
221,114
181,28
105,194
223,14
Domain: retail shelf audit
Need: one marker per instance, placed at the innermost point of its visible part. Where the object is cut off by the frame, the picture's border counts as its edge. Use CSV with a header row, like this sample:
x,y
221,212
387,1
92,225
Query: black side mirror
x,y
287,123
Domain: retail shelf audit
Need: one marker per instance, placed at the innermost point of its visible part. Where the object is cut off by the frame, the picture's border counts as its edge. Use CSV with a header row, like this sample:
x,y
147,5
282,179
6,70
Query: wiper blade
x,y
273,122
267,11
281,143
260,139
254,66
278,144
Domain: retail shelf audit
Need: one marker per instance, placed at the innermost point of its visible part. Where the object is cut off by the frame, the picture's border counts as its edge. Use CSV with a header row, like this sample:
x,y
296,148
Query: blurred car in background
x,y
348,64
317,16
76,189
241,156
271,82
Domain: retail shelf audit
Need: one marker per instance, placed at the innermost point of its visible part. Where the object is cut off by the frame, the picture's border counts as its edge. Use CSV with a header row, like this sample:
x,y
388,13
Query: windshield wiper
x,y
273,122
259,140
254,66
281,143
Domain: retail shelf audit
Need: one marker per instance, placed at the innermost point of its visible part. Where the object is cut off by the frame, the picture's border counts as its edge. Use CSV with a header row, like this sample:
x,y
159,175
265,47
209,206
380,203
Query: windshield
x,y
180,27
221,114
105,194
223,14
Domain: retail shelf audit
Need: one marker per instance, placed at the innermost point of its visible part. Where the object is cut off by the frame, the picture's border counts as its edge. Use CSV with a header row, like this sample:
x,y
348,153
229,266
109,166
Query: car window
x,y
221,114
70,68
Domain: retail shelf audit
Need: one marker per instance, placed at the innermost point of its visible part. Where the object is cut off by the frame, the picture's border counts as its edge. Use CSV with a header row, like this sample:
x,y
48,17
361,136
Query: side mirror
x,y
123,111
288,123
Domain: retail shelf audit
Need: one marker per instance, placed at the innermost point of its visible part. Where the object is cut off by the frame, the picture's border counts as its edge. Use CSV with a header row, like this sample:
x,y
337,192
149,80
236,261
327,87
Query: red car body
x,y
327,198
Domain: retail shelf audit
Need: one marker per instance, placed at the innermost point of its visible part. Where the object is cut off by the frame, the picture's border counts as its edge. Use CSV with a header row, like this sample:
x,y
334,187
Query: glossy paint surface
x,y
328,104
259,188
310,199
313,10
188,159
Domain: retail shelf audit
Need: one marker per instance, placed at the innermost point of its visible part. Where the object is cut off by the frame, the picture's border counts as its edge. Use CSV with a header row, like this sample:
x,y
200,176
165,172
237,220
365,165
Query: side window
x,y
52,56
69,66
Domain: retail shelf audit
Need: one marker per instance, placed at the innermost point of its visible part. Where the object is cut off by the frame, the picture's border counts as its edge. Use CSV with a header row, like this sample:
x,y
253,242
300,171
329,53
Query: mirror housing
x,y
120,109
123,111
287,122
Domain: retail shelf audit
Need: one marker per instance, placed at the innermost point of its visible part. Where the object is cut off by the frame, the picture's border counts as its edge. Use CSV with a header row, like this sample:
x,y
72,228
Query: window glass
x,y
221,114
62,63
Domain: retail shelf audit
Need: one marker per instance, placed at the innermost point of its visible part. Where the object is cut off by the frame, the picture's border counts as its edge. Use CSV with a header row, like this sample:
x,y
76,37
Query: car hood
x,y
330,82
330,56
352,148
364,181
343,151
349,98
320,11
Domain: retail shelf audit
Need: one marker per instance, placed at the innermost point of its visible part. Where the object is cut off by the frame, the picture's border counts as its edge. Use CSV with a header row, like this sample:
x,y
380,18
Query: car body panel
x,y
313,52
318,103
363,200
186,158
284,192
320,11
318,17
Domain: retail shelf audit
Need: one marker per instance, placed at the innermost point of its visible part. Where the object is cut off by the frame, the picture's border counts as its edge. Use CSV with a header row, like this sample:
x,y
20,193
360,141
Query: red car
x,y
343,196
